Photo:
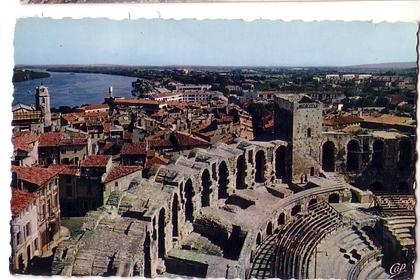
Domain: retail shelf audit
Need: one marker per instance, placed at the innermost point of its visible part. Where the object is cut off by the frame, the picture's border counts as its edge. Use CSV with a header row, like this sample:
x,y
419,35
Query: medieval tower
x,y
298,120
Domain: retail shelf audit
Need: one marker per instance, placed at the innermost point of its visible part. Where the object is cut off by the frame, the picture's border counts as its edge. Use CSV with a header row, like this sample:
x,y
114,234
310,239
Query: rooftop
x,y
120,171
35,175
138,148
96,161
20,200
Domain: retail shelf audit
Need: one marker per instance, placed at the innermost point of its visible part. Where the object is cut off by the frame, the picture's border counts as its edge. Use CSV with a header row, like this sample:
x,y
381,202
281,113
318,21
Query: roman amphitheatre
x,y
307,204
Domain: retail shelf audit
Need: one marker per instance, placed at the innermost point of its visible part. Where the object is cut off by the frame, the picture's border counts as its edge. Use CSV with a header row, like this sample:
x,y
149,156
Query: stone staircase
x,y
402,228
261,267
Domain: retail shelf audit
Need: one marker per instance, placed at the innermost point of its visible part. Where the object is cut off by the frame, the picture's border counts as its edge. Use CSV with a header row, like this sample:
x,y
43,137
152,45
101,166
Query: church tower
x,y
42,103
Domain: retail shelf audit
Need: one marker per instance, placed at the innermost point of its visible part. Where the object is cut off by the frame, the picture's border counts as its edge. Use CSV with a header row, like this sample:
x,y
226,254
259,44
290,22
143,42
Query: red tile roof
x,y
50,139
138,148
78,141
94,107
179,139
96,161
120,171
23,141
35,175
20,200
55,139
65,169
157,159
135,101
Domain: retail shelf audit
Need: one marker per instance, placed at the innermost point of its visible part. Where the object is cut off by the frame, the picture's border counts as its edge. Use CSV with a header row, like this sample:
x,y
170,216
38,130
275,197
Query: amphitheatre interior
x,y
307,204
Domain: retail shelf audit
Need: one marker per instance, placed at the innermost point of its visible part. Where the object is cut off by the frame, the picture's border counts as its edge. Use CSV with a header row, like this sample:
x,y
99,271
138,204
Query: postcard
x,y
214,148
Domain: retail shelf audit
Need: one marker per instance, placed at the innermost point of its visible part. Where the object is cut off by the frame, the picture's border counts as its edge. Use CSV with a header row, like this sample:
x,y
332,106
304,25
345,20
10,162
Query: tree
x,y
141,88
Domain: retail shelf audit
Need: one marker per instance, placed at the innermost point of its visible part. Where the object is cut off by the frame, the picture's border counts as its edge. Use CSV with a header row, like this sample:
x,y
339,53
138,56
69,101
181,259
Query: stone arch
x,y
281,220
189,204
240,172
334,198
404,154
378,154
311,202
205,185
354,197
328,156
147,256
295,210
161,233
280,158
269,229
260,166
223,180
174,216
258,240
353,158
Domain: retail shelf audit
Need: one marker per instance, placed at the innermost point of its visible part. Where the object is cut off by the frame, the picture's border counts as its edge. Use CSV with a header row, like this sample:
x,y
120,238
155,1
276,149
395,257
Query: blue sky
x,y
212,42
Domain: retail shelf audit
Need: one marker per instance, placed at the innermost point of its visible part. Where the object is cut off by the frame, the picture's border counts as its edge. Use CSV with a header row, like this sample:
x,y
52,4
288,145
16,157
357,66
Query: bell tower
x,y
42,103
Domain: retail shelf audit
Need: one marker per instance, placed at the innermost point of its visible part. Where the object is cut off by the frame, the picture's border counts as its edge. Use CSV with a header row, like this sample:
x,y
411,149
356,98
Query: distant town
x,y
232,172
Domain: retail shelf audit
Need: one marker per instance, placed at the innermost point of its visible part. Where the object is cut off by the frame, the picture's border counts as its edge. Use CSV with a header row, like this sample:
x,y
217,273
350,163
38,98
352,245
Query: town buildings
x,y
179,183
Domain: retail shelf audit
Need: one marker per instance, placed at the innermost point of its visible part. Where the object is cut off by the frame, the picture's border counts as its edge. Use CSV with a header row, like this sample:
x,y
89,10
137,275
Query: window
x,y
309,133
116,184
28,229
75,150
18,238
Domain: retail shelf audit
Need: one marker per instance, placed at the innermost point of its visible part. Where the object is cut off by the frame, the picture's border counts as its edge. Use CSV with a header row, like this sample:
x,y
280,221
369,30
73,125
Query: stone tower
x,y
42,102
298,120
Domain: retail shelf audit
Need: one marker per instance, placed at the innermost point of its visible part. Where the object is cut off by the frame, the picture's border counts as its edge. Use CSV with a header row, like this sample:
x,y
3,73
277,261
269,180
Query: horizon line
x,y
226,66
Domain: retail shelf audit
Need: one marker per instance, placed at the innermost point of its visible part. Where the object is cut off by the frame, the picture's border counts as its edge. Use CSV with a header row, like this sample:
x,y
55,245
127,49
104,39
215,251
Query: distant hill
x,y
391,65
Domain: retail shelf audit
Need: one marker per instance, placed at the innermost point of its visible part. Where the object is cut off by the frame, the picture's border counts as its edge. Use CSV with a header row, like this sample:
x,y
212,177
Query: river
x,y
73,89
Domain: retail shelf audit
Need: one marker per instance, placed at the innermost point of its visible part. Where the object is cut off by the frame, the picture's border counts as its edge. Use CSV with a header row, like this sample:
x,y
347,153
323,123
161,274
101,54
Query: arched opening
x,y
161,233
334,198
313,201
281,219
328,156
309,132
258,242
205,184
403,187
240,172
260,167
404,154
21,263
269,229
189,204
353,151
354,197
175,216
147,256
223,180
312,171
181,191
281,162
377,187
378,154
295,210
